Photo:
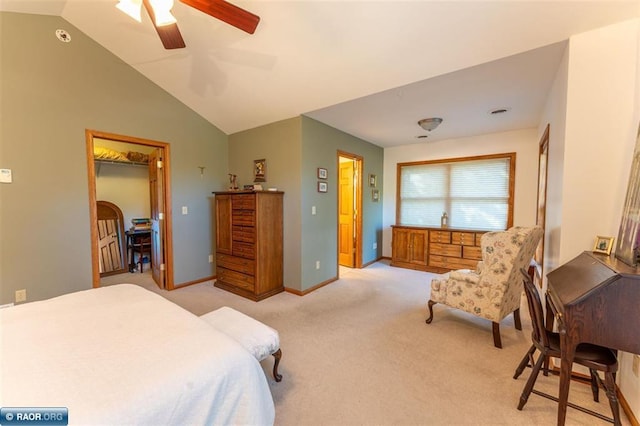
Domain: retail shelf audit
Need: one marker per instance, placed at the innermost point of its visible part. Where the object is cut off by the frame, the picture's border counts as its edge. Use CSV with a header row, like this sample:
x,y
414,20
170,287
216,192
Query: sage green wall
x,y
50,93
320,146
279,144
294,149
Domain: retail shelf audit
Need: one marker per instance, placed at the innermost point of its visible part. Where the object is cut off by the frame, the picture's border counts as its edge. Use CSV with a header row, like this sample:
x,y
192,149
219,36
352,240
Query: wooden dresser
x,y
249,243
435,249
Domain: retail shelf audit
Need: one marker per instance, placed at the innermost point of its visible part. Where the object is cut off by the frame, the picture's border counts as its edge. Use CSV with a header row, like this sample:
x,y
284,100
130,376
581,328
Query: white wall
x,y
599,136
523,142
593,109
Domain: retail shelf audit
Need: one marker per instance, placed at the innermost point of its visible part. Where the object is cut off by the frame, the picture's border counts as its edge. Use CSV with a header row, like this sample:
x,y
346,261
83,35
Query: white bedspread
x,y
123,355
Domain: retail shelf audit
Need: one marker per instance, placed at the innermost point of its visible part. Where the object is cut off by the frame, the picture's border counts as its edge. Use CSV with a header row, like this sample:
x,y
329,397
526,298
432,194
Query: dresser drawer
x,y
243,217
239,264
478,238
243,233
451,262
463,238
445,249
243,202
241,249
440,237
236,279
472,252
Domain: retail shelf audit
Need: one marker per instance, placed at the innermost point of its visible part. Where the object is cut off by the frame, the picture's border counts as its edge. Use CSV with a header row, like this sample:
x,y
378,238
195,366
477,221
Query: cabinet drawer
x,y
452,262
478,238
238,264
445,249
243,217
472,252
440,237
463,238
243,250
243,233
243,202
236,279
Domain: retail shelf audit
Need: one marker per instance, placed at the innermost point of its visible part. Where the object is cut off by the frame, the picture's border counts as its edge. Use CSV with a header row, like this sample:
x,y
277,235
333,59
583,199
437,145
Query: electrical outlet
x,y
375,246
21,295
185,210
317,264
636,365
210,258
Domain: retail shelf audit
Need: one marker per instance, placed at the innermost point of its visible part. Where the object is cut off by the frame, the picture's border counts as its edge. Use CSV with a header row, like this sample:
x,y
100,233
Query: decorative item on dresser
x,y
435,249
249,248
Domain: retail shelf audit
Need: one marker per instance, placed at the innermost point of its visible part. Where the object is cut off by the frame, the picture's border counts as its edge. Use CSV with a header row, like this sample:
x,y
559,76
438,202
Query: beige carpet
x,y
358,352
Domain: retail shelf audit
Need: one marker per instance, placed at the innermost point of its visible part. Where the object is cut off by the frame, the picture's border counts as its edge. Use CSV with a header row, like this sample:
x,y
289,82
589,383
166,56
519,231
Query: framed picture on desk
x,y
603,245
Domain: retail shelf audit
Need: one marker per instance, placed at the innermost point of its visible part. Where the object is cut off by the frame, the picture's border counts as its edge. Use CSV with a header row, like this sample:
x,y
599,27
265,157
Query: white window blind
x,y
475,193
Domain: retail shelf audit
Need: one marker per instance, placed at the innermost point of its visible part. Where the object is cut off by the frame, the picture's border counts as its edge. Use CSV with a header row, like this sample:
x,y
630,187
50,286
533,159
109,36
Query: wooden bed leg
x,y
430,305
277,355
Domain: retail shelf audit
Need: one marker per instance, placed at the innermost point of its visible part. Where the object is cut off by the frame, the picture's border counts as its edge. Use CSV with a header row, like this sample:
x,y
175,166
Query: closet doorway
x,y
349,210
151,158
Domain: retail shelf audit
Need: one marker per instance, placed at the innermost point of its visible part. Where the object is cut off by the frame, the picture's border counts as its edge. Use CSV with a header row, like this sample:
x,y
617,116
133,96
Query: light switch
x,y
5,176
185,210
313,210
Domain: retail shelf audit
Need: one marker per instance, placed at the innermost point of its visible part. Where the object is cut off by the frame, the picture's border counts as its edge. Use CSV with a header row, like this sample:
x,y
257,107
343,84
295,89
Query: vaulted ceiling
x,y
369,68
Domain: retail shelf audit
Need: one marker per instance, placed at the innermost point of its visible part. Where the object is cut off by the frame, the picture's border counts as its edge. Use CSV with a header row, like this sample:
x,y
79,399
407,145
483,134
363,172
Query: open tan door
x,y
110,238
346,210
157,217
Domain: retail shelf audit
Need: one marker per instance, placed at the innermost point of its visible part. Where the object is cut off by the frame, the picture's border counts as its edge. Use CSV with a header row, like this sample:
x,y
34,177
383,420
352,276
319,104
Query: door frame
x,y
359,166
541,208
93,215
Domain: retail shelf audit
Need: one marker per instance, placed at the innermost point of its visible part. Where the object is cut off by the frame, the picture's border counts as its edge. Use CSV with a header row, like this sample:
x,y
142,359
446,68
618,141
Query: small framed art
x,y
260,170
322,186
322,173
372,181
603,245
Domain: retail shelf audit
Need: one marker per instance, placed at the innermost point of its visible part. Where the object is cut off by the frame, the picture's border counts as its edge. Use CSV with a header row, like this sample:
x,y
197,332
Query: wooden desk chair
x,y
142,246
595,358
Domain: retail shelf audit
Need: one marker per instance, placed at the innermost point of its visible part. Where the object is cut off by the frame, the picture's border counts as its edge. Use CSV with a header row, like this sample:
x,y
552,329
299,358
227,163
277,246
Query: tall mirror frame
x,y
628,246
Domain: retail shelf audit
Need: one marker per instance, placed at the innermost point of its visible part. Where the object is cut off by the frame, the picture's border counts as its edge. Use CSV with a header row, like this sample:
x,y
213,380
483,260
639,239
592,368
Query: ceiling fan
x,y
166,25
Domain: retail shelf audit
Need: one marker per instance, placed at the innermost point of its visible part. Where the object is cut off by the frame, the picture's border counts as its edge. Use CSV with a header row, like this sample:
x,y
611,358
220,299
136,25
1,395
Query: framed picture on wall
x,y
260,170
322,173
322,187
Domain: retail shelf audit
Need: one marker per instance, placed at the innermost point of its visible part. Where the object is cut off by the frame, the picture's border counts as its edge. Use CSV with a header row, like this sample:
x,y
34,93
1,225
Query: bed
x,y
125,355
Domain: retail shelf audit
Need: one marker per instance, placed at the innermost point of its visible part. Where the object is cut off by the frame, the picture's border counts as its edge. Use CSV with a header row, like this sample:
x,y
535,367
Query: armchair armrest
x,y
465,275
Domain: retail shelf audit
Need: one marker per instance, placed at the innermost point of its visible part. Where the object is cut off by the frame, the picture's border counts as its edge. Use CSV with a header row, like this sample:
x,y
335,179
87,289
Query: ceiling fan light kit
x,y
430,123
132,8
166,24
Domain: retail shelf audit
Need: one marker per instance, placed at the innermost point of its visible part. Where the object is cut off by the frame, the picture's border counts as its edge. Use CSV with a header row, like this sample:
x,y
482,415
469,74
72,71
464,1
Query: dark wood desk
x,y
594,299
136,238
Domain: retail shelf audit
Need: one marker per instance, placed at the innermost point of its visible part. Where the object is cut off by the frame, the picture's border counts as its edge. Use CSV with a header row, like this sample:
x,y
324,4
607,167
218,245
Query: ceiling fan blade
x,y
169,34
227,12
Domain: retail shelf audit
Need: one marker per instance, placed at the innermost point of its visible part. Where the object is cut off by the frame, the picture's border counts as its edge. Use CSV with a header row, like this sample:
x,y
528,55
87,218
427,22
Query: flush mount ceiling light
x,y
430,123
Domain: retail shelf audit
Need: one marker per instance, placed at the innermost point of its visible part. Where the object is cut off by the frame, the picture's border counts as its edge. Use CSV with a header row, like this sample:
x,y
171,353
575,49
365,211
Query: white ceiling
x,y
369,68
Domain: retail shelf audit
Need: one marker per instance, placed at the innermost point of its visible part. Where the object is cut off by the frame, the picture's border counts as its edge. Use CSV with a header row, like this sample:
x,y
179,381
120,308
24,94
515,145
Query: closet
x,y
122,181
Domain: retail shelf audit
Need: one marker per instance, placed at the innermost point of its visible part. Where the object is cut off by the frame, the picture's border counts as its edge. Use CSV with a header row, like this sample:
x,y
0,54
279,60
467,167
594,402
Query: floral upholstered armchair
x,y
494,289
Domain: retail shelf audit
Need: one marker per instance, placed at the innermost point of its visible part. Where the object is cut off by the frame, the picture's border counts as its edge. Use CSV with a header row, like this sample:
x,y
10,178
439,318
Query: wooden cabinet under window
x,y
409,247
249,247
435,249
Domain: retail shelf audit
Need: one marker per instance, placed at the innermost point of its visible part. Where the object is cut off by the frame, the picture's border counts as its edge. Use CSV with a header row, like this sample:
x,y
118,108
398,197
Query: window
x,y
475,192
